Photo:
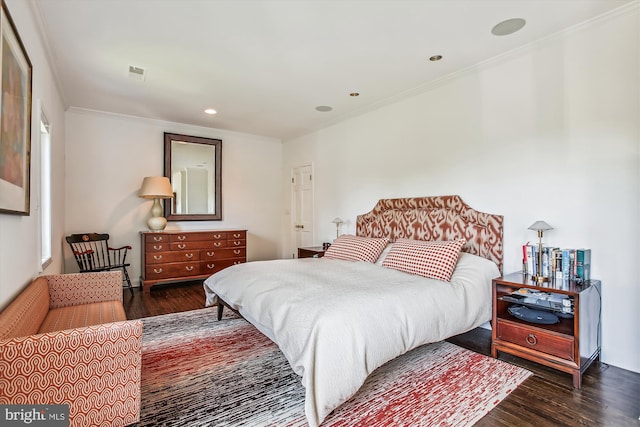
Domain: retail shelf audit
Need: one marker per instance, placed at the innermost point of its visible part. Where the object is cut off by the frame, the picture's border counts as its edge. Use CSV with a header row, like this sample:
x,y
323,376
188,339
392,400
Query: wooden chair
x,y
93,253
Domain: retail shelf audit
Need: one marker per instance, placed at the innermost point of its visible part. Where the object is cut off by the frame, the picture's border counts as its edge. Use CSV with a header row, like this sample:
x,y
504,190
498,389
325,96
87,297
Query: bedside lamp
x,y
156,188
540,227
337,222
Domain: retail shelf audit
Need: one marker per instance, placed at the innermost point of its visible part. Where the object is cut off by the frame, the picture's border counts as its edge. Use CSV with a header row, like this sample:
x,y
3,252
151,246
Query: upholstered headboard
x,y
435,218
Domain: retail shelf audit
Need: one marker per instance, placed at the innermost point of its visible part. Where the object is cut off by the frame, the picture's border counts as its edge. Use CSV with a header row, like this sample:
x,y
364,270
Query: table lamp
x,y
540,227
337,222
156,188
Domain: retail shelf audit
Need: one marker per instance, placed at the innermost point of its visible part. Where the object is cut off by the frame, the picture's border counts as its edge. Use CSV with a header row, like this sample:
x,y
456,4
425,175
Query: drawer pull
x,y
157,238
182,238
157,270
531,339
210,266
217,236
237,262
181,246
237,251
217,244
237,243
236,235
157,257
189,268
188,255
157,247
211,253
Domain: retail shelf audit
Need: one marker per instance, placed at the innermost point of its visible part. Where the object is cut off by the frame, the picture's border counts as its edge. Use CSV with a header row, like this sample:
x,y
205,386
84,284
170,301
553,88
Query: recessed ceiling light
x,y
435,58
354,94
507,27
323,108
210,111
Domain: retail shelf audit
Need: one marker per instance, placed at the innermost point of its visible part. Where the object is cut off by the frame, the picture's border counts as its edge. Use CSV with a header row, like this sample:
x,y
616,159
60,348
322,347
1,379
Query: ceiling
x,y
266,65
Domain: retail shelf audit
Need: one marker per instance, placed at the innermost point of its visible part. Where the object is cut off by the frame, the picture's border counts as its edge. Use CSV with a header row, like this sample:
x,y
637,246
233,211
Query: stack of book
x,y
564,264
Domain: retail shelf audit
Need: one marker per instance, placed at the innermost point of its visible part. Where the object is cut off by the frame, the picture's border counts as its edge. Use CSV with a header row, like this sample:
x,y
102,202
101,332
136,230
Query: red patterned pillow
x,y
433,259
354,248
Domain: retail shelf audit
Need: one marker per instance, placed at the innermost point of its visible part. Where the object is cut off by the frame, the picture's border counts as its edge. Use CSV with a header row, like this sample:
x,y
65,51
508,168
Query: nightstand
x,y
570,345
311,252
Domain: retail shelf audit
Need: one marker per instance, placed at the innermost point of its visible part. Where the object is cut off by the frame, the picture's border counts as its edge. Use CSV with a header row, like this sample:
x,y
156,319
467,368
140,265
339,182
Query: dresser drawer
x,y
156,238
236,243
213,266
197,237
157,247
176,256
205,244
227,253
237,235
539,340
172,270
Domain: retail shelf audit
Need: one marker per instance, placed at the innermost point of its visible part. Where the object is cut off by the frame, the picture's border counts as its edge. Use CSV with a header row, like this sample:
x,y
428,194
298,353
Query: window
x,y
45,192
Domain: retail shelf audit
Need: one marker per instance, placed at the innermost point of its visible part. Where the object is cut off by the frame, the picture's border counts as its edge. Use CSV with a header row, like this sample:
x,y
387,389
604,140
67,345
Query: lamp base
x,y
540,279
157,223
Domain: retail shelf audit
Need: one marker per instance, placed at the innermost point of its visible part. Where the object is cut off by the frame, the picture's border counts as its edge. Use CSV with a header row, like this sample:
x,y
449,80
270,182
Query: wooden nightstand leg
x,y
494,351
220,309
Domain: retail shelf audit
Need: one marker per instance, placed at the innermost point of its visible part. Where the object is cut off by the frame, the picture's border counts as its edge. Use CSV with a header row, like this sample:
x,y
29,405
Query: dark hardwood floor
x,y
609,396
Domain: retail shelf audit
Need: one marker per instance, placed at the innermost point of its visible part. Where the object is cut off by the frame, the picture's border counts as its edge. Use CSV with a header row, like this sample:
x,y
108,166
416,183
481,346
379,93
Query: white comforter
x,y
337,321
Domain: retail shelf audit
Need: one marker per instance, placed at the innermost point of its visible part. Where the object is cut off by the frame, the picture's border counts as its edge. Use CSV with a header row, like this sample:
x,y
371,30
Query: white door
x,y
302,215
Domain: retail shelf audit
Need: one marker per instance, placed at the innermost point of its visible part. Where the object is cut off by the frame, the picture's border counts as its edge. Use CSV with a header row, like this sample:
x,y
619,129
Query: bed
x,y
418,270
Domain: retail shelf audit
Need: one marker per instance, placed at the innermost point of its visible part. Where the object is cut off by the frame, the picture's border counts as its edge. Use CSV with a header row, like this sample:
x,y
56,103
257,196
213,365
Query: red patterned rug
x,y
200,371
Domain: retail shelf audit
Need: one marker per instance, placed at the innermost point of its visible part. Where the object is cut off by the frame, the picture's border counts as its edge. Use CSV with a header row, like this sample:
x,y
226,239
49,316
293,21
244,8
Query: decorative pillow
x,y
354,248
432,259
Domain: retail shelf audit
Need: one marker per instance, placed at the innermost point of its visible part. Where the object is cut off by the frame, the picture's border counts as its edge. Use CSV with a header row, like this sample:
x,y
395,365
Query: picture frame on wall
x,y
15,119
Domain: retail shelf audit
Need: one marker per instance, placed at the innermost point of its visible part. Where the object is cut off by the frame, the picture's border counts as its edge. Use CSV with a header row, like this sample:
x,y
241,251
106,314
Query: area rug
x,y
198,371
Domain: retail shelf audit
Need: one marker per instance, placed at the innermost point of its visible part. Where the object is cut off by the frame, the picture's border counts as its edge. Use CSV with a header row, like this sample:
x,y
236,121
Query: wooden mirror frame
x,y
217,143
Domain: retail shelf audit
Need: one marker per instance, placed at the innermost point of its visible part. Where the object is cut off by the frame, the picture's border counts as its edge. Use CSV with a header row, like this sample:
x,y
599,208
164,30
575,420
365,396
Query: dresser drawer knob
x,y
157,270
157,239
188,255
217,236
182,237
157,257
237,243
217,244
211,253
189,268
157,247
182,246
237,251
531,339
236,235
237,262
210,266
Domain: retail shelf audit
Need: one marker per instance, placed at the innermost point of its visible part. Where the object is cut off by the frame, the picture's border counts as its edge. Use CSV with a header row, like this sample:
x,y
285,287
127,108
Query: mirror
x,y
193,165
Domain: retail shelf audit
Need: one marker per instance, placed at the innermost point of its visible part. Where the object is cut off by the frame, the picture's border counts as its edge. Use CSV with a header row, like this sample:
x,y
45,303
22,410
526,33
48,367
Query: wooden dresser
x,y
178,256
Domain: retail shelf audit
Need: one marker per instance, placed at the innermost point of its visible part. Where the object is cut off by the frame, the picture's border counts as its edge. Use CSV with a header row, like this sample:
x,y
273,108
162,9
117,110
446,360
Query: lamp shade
x,y
540,226
337,221
156,187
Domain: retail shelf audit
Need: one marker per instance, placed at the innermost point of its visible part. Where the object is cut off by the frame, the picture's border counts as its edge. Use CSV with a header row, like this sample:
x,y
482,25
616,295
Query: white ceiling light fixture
x,y
354,94
507,27
435,58
323,108
210,111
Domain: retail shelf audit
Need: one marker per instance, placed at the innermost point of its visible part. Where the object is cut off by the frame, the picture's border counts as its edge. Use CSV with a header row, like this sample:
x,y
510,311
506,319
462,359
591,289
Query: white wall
x,y
108,155
19,235
549,132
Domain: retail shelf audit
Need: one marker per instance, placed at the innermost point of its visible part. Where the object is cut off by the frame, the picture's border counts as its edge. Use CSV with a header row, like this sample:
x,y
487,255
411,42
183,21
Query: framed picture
x,y
15,119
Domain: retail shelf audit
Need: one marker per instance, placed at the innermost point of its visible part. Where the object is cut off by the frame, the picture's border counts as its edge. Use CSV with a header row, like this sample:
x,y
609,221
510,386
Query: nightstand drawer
x,y
536,340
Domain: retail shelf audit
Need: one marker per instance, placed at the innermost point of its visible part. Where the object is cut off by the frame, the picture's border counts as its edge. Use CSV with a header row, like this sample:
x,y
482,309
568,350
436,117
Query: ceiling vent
x,y
136,73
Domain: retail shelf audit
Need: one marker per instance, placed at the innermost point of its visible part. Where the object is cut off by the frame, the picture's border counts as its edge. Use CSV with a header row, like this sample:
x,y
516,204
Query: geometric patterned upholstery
x,y
435,218
95,369
84,359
